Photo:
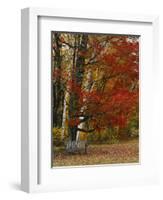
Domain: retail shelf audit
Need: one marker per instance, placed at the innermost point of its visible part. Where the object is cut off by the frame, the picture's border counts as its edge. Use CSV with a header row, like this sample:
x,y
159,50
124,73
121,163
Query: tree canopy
x,y
95,82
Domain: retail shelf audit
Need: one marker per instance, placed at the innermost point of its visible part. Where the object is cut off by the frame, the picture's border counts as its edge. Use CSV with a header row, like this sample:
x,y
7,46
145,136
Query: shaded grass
x,y
122,152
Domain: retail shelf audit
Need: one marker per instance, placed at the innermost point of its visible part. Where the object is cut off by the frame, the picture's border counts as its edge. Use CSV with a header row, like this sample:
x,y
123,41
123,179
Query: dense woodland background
x,y
95,80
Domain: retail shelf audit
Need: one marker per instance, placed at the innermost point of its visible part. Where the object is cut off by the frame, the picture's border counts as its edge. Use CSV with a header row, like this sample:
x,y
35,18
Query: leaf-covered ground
x,y
123,152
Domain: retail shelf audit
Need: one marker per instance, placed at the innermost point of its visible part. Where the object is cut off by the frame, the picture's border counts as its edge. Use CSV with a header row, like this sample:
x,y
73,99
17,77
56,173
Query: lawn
x,y
122,152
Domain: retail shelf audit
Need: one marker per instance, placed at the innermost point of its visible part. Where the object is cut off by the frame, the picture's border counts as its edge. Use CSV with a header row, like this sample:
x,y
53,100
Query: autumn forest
x,y
95,98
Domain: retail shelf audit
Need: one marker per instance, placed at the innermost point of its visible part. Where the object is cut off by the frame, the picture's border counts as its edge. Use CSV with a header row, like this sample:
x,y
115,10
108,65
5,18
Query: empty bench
x,y
76,146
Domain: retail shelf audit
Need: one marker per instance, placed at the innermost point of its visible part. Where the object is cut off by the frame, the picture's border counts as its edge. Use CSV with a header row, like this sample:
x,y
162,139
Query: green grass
x,y
122,152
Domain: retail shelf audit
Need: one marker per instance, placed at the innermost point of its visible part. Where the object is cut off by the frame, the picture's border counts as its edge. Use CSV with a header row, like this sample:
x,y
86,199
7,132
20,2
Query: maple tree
x,y
95,81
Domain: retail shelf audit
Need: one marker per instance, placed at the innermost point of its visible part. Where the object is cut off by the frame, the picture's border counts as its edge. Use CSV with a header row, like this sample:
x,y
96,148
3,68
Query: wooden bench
x,y
76,146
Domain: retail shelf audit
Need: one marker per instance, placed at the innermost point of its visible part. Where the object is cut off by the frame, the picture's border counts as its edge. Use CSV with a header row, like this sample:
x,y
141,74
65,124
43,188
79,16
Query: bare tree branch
x,y
85,131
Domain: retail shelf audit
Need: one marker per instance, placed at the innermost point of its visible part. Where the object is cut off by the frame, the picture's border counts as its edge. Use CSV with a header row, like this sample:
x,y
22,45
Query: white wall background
x,y
10,97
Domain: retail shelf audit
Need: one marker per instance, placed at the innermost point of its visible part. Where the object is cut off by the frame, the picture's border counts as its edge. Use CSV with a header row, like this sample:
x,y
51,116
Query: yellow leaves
x,y
95,74
121,61
66,123
82,136
57,136
110,84
111,50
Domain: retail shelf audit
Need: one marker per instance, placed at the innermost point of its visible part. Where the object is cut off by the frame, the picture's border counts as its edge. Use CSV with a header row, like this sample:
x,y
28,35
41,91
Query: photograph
x,y
94,99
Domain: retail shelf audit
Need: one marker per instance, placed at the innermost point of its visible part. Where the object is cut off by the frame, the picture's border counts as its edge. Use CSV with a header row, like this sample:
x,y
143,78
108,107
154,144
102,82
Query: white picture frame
x,y
36,171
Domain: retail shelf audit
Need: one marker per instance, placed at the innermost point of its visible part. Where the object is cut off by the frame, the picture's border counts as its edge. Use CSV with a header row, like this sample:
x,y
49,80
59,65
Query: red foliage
x,y
114,106
73,122
56,73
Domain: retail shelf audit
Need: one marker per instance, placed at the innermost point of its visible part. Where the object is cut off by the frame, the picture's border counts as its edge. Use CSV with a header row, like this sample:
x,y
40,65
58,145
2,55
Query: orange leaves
x,y
120,95
74,87
73,122
124,60
97,45
92,96
104,82
83,53
119,120
114,108
110,59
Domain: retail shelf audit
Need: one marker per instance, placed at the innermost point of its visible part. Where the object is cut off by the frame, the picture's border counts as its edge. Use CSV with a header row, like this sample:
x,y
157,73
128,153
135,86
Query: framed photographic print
x,y
88,115
95,99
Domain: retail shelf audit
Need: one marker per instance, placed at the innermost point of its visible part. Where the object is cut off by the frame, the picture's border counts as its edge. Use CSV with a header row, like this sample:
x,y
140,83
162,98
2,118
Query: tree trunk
x,y
87,86
65,114
78,68
57,91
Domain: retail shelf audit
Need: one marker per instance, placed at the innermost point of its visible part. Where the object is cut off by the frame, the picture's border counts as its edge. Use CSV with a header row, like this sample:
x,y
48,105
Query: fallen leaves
x,y
124,152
